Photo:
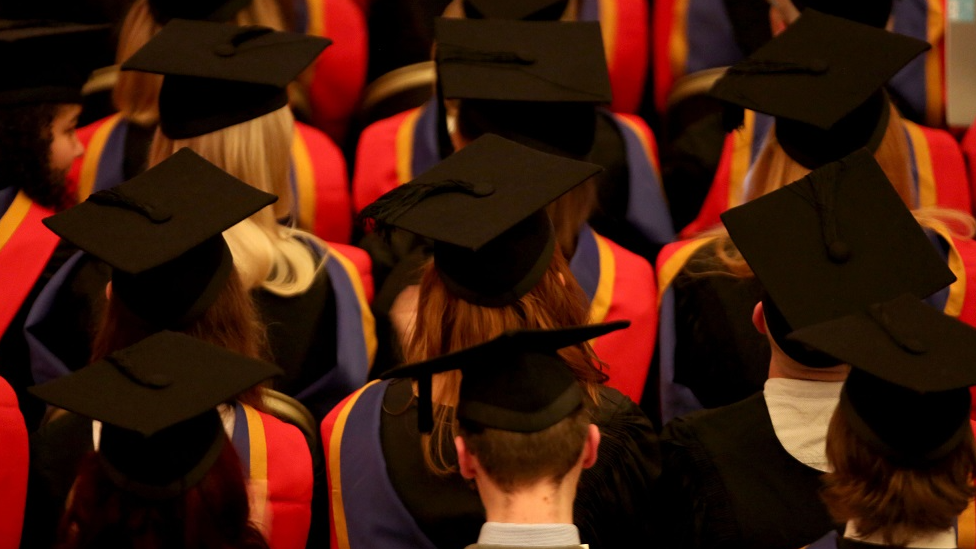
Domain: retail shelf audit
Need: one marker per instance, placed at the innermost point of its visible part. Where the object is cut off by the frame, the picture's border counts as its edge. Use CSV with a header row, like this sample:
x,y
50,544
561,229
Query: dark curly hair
x,y
25,151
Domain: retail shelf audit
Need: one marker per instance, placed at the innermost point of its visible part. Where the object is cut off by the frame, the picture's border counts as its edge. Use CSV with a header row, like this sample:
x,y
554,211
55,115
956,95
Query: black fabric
x,y
532,10
870,12
401,32
303,340
136,156
727,482
690,156
14,354
614,504
750,23
719,355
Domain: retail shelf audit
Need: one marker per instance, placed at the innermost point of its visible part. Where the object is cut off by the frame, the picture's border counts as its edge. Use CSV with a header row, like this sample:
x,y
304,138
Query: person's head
x,y
518,10
164,473
45,66
900,442
823,82
247,130
850,242
869,12
136,94
174,270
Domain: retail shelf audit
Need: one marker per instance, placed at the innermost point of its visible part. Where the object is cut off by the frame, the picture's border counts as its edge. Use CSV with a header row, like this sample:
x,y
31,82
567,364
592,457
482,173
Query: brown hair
x,y
513,460
231,322
895,501
136,93
213,514
446,323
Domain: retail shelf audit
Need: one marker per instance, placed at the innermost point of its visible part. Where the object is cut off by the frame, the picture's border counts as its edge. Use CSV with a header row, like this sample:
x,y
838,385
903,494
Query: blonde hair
x,y
774,169
446,323
136,94
267,254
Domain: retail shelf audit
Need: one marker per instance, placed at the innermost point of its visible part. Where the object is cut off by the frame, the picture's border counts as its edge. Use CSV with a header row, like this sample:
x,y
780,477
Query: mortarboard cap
x,y
515,382
201,10
46,61
907,394
832,243
533,82
161,234
822,79
868,12
157,401
524,10
219,75
483,207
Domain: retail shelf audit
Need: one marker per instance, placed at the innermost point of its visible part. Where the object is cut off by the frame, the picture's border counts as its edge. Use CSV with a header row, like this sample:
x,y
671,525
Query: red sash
x,y
13,467
624,25
324,205
383,157
25,247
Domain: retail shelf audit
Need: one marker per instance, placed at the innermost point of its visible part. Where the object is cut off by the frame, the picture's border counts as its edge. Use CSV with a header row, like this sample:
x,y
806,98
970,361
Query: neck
x,y
782,366
541,503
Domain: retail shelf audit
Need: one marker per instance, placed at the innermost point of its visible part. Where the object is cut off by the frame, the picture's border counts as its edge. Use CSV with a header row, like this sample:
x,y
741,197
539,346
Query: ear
x,y
467,463
759,318
591,446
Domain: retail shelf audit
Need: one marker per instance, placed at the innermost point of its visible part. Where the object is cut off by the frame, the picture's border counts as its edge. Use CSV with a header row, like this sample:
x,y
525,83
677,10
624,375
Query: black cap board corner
x,y
484,208
218,75
161,234
514,382
156,400
833,242
908,392
522,10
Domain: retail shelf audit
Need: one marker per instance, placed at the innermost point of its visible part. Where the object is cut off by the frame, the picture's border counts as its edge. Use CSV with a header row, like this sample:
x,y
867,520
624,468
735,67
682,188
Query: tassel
x,y
112,197
381,214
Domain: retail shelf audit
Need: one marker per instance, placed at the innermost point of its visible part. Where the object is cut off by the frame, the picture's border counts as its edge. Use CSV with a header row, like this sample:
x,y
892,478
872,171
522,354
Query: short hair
x,y
513,460
894,499
25,152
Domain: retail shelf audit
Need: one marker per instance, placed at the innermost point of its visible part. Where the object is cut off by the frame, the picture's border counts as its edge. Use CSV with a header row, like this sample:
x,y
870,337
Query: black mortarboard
x,y
219,75
202,10
869,12
515,382
533,82
157,401
46,61
822,79
525,10
832,243
161,234
484,208
907,394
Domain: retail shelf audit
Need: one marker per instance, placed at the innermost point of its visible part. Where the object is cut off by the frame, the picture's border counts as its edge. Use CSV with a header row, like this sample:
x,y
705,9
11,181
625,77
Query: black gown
x,y
615,502
728,482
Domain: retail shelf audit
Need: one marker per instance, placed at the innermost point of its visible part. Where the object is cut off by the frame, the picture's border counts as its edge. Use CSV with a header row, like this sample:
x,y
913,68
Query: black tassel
x,y
451,53
112,197
425,405
381,214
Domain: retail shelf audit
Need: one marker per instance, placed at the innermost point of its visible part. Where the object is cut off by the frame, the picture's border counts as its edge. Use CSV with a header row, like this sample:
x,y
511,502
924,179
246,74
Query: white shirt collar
x,y
529,535
945,539
800,411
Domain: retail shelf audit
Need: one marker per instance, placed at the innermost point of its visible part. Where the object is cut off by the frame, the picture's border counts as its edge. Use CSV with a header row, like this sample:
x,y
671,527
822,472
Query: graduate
x,y
525,434
901,433
171,269
496,266
558,117
832,243
164,471
44,66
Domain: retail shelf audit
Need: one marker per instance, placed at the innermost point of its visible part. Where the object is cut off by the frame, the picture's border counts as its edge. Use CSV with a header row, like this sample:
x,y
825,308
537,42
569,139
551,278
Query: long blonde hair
x,y
136,94
267,254
446,323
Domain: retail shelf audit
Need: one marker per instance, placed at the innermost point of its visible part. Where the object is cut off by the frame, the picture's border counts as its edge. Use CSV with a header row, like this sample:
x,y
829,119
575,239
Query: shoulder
x,y
727,422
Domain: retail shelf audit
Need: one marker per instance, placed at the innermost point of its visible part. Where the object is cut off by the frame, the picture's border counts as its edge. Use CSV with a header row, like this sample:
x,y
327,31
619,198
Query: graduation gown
x,y
695,35
834,541
116,151
274,455
937,166
633,211
710,354
728,482
30,254
382,494
323,339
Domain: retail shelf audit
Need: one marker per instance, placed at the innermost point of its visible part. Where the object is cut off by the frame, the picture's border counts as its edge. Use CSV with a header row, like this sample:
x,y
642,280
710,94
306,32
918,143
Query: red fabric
x,y
968,147
628,352
289,483
333,203
340,72
953,185
363,263
84,135
628,60
663,78
13,468
22,261
376,161
325,429
717,199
